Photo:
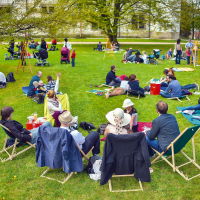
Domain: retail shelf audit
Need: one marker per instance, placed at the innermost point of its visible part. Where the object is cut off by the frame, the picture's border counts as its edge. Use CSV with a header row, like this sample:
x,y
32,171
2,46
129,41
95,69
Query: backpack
x,y
10,77
147,88
87,126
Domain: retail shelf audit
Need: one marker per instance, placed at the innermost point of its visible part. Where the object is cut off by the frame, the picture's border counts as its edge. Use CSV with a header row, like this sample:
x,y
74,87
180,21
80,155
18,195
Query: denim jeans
x,y
154,144
113,83
187,87
197,107
178,57
35,132
131,58
73,62
188,60
166,94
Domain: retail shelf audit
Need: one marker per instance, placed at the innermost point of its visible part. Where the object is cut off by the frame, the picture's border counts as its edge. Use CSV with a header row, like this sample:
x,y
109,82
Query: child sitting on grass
x,y
33,89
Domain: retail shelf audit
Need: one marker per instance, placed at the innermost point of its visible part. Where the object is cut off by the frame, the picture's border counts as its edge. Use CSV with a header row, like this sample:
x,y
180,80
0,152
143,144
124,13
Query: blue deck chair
x,y
13,154
176,146
25,89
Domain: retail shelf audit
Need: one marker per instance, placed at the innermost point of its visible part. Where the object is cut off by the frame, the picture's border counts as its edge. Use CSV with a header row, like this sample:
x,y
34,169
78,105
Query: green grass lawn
x,y
92,69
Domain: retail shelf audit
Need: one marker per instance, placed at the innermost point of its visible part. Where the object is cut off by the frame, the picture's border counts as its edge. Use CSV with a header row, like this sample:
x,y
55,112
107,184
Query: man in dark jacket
x,y
111,79
164,127
17,130
43,44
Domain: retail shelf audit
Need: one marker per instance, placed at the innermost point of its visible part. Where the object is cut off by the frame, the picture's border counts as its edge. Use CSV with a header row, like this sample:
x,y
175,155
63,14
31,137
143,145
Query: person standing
x,y
69,47
189,44
43,44
73,58
35,78
178,52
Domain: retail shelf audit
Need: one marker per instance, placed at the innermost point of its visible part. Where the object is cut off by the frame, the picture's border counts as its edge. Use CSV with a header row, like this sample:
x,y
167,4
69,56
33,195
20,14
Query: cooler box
x,y
30,126
155,88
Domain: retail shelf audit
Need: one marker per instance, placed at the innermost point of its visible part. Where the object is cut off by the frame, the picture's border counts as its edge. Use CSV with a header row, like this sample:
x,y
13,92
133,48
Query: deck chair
x,y
181,97
176,147
104,85
135,93
64,100
13,154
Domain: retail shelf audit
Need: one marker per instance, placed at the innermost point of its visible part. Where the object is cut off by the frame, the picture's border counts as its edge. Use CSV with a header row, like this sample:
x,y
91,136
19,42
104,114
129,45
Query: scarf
x,y
54,102
118,122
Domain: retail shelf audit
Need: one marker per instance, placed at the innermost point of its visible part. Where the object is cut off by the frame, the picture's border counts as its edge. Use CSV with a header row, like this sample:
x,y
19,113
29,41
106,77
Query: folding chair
x,y
136,93
13,154
104,84
176,147
85,156
179,98
64,99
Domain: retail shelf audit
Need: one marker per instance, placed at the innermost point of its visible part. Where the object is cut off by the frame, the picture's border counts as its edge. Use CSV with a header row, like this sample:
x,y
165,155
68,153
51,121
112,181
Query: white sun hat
x,y
127,103
119,113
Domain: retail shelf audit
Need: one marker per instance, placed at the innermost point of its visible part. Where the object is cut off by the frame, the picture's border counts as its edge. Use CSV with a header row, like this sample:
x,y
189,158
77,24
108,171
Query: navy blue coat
x,y
125,154
56,148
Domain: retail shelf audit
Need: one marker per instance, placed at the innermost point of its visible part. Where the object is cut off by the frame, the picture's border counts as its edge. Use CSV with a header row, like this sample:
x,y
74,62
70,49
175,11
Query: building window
x,y
138,22
5,9
47,9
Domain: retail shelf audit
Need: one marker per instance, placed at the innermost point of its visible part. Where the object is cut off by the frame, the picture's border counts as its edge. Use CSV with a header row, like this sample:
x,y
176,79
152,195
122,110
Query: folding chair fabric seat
x,y
64,100
136,93
176,146
123,155
13,154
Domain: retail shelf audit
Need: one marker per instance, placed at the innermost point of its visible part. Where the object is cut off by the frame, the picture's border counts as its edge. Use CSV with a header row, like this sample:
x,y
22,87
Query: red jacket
x,y
54,41
73,55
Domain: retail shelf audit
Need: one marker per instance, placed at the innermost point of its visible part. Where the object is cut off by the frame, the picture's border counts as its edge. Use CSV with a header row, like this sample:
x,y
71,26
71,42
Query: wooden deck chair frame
x,y
138,97
173,165
186,96
13,154
85,156
105,85
127,175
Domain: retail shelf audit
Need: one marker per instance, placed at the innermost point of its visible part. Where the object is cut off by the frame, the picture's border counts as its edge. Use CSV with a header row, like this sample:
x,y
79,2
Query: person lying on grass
x,y
17,130
120,90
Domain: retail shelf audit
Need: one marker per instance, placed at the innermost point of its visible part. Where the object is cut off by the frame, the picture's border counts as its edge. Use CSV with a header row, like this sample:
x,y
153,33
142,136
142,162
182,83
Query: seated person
x,y
99,47
17,130
116,46
164,128
129,109
173,89
41,87
52,83
32,45
120,90
36,44
125,55
144,57
111,79
169,54
118,119
129,55
2,80
35,78
85,143
163,81
138,59
33,89
134,83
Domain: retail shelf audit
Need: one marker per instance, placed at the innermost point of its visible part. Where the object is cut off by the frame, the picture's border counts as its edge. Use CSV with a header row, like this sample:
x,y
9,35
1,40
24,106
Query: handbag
x,y
87,126
102,128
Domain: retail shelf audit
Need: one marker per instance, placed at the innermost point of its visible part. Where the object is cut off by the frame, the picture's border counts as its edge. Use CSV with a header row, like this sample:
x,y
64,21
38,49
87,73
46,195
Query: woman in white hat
x,y
118,119
129,109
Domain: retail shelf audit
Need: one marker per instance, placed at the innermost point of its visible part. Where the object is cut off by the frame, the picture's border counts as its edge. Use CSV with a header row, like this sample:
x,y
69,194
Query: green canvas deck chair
x,y
85,156
13,154
181,97
176,146
64,100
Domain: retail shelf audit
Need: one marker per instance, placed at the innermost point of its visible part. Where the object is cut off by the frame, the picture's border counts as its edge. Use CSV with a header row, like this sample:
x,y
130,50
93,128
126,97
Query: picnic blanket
x,y
182,69
141,127
95,91
25,89
191,118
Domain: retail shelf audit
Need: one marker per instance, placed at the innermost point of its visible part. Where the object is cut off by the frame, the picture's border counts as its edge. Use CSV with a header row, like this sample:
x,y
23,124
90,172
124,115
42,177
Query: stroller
x,y
13,54
64,55
53,47
153,58
41,57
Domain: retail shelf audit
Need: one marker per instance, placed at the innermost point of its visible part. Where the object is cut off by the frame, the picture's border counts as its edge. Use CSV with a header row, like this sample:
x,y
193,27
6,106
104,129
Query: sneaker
x,y
97,157
152,156
197,87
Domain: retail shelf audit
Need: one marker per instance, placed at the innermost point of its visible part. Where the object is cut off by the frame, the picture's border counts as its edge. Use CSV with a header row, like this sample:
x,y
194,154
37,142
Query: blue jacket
x,y
111,77
165,128
135,86
175,88
56,148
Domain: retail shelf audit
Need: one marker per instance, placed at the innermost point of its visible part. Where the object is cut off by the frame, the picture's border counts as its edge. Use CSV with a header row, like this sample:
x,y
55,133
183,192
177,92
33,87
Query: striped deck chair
x,y
176,146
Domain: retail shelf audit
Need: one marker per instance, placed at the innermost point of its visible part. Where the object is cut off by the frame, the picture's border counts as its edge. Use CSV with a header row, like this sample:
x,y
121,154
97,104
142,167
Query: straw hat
x,y
66,118
119,113
127,103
